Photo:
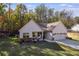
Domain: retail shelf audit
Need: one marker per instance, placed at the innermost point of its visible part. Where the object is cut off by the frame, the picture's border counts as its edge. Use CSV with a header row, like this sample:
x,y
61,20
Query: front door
x,y
44,35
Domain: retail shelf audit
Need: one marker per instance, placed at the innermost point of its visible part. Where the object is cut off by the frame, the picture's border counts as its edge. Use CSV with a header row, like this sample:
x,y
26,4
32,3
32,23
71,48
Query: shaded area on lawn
x,y
10,46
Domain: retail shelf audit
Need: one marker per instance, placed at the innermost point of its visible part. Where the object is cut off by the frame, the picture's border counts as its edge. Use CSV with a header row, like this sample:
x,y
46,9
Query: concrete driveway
x,y
70,43
67,42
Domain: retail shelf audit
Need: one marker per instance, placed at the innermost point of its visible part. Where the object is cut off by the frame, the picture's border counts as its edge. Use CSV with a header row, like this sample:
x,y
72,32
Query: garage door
x,y
59,37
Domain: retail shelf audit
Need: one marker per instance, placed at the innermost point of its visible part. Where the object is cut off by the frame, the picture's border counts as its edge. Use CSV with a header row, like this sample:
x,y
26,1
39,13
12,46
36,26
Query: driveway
x,y
67,42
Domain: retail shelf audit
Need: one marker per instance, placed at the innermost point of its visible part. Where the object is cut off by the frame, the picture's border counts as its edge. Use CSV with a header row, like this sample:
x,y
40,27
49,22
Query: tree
x,y
76,19
56,16
29,16
2,15
2,9
67,18
20,11
9,19
50,14
41,12
66,14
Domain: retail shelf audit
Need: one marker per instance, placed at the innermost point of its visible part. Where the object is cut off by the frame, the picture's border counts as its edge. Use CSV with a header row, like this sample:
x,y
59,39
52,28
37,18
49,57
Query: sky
x,y
57,6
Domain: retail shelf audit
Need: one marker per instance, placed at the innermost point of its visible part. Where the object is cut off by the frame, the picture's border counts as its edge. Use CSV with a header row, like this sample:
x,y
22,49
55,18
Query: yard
x,y
74,35
10,46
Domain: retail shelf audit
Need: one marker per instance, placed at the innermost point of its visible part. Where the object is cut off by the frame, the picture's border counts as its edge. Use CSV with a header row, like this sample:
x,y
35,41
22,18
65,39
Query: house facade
x,y
56,31
59,31
30,30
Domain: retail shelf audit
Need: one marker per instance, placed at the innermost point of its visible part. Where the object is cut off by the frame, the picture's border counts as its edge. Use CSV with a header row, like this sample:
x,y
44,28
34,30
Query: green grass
x,y
10,47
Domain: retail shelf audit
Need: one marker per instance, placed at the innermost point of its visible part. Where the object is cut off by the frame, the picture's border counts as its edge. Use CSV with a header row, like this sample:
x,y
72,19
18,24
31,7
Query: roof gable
x,y
60,28
31,24
41,26
53,24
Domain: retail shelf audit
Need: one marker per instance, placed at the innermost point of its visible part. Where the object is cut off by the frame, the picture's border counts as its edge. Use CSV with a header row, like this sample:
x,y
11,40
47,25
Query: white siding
x,y
49,36
60,28
29,28
33,27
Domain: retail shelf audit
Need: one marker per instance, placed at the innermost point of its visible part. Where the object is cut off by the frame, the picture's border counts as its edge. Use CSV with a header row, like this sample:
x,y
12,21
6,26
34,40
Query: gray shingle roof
x,y
48,26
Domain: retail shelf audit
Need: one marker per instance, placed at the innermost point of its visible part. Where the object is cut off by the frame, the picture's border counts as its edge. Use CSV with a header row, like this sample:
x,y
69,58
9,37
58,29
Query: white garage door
x,y
59,37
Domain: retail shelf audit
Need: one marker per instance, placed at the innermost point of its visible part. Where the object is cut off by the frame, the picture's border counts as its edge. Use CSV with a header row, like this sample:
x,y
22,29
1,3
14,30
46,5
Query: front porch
x,y
34,36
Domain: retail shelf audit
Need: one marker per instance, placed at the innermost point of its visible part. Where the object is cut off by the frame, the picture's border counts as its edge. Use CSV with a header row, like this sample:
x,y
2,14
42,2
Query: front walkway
x,y
67,42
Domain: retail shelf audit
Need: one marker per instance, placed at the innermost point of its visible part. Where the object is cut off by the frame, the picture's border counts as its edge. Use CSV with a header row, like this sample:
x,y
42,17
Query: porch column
x,y
42,35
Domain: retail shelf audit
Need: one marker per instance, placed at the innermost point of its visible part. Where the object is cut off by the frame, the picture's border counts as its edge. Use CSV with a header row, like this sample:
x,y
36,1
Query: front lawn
x,y
10,46
74,36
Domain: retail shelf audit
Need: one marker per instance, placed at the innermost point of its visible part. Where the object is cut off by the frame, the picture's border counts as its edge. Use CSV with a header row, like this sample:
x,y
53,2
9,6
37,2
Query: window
x,y
39,33
33,34
25,35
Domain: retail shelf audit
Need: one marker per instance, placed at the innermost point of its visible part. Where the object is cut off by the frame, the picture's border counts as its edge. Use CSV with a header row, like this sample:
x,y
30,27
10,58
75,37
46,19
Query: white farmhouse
x,y
56,30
